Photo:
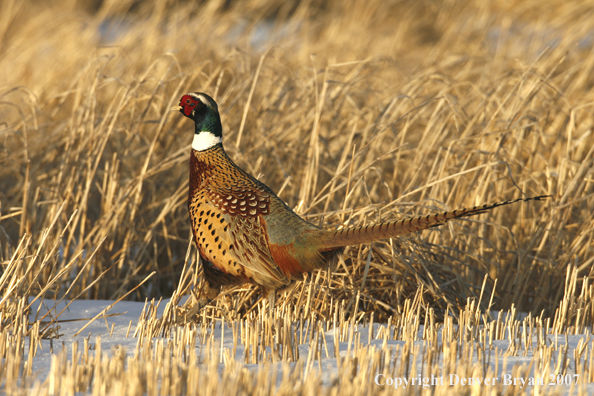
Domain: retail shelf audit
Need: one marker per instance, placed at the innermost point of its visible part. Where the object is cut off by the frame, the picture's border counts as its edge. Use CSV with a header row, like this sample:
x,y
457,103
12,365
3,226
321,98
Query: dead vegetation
x,y
354,114
191,359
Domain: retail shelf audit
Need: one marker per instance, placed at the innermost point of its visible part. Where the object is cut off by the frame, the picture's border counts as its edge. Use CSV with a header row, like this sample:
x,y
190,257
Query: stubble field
x,y
354,113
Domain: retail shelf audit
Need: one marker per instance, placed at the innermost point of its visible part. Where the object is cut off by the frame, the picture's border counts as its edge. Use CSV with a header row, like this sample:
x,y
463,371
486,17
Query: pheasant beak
x,y
176,108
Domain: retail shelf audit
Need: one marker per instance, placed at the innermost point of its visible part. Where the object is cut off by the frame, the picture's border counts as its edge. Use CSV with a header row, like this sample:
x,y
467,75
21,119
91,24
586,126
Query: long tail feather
x,y
353,236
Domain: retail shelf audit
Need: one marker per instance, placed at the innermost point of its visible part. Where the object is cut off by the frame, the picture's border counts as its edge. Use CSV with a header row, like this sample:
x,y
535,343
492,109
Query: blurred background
x,y
354,111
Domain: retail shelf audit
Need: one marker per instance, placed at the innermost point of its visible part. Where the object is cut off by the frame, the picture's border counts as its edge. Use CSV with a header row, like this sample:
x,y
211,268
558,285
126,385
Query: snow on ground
x,y
79,312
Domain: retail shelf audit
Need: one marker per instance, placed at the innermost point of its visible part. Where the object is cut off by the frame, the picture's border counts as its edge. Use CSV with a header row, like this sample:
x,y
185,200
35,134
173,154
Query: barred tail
x,y
353,236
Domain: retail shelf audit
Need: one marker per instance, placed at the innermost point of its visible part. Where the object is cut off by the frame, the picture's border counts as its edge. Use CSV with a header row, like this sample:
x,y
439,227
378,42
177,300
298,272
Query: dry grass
x,y
191,359
355,113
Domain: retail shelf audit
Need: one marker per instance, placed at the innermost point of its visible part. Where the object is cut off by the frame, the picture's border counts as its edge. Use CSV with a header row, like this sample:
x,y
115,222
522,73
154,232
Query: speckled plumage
x,y
242,228
245,233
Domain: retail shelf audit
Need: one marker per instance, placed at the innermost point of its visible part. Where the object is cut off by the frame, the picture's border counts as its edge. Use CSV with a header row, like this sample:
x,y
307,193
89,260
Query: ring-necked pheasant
x,y
245,233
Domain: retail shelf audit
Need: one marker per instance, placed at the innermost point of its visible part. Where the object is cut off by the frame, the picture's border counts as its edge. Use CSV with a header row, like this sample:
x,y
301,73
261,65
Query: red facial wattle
x,y
188,104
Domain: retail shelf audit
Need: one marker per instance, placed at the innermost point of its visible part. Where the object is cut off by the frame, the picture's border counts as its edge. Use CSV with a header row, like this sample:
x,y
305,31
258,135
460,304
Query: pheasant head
x,y
203,110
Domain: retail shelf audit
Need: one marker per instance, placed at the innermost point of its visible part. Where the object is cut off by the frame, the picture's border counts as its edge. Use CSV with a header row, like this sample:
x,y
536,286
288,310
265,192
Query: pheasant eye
x,y
188,101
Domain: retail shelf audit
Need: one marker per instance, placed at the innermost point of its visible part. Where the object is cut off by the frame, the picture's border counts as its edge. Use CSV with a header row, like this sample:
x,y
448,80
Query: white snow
x,y
80,311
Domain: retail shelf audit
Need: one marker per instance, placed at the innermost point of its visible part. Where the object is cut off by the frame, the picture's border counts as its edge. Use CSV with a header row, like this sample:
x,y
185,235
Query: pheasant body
x,y
245,233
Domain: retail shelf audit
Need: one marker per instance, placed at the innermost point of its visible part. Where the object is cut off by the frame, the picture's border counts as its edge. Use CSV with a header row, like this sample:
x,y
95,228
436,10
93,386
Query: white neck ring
x,y
205,140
